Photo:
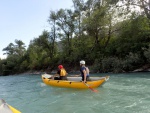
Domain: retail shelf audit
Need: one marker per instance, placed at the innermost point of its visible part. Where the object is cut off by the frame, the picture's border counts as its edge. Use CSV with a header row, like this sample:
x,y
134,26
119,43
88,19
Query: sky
x,y
26,19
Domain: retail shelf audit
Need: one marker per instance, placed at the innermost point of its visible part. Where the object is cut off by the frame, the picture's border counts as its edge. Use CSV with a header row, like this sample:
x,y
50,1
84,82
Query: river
x,y
122,93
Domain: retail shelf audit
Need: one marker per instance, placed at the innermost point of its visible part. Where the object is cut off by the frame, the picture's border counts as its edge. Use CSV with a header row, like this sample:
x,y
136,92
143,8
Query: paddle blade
x,y
94,90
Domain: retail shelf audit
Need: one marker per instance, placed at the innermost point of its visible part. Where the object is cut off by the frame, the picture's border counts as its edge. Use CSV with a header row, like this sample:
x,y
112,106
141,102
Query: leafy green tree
x,y
126,7
111,35
53,35
65,21
9,49
147,53
79,10
20,47
14,55
41,52
98,25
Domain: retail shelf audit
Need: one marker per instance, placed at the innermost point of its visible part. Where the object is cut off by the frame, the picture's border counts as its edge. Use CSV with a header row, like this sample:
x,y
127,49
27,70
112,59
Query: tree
x,y
65,22
41,52
79,10
140,6
53,35
9,49
99,24
20,47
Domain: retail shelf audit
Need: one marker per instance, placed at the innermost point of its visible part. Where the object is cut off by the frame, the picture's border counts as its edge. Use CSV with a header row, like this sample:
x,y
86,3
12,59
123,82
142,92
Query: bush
x,y
116,65
97,66
112,64
147,54
131,61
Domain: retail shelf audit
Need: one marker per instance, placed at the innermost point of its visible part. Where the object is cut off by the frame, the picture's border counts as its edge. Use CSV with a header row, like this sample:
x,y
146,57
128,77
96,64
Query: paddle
x,y
94,90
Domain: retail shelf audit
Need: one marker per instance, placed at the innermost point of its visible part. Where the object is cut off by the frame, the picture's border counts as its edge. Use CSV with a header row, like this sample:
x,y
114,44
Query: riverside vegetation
x,y
110,35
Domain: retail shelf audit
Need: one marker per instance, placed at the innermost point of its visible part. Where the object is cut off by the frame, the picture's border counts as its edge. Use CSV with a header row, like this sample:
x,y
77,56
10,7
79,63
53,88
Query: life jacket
x,y
63,72
87,71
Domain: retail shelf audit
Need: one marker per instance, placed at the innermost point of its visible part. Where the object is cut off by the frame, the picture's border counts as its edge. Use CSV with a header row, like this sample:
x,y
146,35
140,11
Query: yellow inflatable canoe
x,y
74,82
6,108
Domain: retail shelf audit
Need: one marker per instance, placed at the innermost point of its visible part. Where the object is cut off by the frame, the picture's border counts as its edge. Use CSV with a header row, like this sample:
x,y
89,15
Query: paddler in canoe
x,y
82,82
84,71
61,74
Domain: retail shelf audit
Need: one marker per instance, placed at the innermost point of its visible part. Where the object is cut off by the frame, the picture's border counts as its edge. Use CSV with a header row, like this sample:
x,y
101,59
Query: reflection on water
x,y
123,93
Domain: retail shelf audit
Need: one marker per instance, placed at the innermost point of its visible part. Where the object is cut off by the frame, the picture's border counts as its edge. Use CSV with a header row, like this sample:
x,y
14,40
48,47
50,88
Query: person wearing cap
x,y
84,71
62,73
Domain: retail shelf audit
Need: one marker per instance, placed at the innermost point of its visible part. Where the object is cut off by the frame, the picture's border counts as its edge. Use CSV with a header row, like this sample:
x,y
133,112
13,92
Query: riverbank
x,y
145,68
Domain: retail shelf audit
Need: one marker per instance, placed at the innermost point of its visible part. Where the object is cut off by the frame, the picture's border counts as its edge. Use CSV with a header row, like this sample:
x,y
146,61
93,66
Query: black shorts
x,y
87,78
63,78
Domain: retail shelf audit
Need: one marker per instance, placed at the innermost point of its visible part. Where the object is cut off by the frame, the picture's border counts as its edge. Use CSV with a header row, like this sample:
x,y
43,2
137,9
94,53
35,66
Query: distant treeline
x,y
110,35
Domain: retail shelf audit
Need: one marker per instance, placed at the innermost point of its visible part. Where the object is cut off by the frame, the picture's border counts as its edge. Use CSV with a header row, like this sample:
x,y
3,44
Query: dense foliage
x,y
110,35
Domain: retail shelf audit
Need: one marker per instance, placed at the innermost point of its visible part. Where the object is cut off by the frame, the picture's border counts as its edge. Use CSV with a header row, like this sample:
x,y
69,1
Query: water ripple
x,y
134,104
123,93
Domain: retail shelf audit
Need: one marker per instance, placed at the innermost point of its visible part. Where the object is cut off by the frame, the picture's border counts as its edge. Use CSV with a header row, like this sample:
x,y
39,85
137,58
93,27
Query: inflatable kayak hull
x,y
74,82
6,108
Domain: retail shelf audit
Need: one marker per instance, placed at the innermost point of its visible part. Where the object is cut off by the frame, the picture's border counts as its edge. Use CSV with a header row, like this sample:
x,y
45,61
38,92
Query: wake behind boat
x,y
74,82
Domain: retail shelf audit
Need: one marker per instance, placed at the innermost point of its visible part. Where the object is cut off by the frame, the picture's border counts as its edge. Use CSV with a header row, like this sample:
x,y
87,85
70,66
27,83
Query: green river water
x,y
122,93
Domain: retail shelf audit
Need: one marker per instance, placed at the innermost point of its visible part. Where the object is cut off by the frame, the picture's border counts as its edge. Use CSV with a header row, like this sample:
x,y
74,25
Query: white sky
x,y
25,19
